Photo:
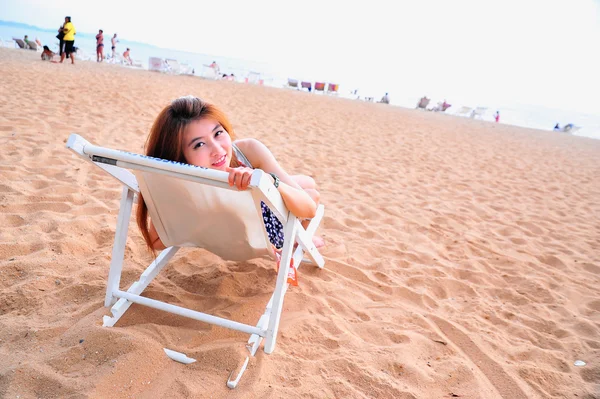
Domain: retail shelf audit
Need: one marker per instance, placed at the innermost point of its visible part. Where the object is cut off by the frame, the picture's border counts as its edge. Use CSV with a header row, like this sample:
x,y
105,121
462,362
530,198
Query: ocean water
x,y
518,114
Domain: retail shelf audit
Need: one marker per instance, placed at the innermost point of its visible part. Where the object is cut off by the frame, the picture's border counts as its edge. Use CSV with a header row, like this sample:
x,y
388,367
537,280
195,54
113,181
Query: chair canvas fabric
x,y
203,187
237,233
156,64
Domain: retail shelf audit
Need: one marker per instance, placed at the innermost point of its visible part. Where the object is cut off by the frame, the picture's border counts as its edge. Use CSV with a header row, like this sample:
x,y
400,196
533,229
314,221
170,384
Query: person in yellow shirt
x,y
69,40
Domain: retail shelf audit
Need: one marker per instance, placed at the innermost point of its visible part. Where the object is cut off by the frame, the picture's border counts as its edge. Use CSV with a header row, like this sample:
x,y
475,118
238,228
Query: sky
x,y
541,52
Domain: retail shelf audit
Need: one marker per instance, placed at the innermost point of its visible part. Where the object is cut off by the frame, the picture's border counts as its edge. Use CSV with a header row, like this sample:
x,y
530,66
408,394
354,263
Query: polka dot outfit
x,y
272,224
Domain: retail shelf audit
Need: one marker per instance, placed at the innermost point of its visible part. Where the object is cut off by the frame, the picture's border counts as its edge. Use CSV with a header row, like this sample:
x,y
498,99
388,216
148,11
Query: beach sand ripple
x,y
462,257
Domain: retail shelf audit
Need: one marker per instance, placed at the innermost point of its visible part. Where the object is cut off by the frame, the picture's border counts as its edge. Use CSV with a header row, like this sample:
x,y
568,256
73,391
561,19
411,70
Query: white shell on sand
x,y
579,363
178,356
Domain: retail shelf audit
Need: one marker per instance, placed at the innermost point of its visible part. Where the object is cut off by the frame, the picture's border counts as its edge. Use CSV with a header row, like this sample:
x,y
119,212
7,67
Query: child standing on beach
x,y
192,131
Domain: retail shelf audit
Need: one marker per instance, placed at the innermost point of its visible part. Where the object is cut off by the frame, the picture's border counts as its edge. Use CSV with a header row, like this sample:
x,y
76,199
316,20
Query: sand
x,y
462,257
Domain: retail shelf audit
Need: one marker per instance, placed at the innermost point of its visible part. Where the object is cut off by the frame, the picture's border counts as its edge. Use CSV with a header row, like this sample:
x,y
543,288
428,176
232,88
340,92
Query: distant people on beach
x,y
47,54
114,42
441,107
126,57
100,46
28,44
60,38
385,99
69,39
566,128
497,116
215,68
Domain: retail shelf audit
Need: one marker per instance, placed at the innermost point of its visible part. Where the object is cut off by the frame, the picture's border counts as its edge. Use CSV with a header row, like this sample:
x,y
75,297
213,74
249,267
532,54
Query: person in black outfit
x,y
60,39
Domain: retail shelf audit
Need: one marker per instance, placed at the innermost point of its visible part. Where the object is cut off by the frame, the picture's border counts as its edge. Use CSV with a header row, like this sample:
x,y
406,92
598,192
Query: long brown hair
x,y
166,140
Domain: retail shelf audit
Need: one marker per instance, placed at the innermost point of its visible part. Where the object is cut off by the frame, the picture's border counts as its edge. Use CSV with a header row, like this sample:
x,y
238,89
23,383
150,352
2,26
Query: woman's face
x,y
207,144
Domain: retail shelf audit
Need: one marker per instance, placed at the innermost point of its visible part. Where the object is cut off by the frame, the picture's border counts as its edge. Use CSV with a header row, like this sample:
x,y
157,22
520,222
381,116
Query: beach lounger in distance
x,y
195,207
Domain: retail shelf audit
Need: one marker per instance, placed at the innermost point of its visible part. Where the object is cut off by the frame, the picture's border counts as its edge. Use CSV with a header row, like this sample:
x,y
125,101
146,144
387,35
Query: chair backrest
x,y
306,85
191,214
8,43
192,206
20,42
292,83
424,102
156,64
174,66
253,77
332,87
32,45
478,112
319,86
463,111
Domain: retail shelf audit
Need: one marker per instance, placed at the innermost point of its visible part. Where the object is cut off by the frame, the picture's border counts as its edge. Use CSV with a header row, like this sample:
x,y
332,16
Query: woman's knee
x,y
314,194
306,182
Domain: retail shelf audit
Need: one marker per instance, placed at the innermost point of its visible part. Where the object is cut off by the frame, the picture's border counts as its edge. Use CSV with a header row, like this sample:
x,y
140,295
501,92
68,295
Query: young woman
x,y
192,131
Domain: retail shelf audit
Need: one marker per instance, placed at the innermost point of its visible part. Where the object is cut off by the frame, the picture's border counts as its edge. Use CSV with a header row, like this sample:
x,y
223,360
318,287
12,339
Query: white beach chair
x,y
156,64
478,112
20,43
8,43
34,46
186,69
464,111
173,66
291,84
137,64
253,77
186,204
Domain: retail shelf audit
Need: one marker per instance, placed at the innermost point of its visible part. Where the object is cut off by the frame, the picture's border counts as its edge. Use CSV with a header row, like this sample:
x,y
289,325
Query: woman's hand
x,y
239,177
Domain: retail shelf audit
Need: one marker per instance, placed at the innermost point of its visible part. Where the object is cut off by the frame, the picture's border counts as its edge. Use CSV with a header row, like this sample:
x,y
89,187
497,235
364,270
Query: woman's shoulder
x,y
247,145
256,152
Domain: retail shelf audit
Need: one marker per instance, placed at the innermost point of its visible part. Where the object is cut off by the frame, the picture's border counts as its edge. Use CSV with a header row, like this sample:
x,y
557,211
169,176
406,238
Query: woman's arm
x,y
298,201
157,244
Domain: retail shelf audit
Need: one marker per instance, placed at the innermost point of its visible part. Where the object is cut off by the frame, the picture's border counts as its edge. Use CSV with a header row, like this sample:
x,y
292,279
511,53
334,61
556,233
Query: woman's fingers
x,y
243,180
239,177
231,177
246,179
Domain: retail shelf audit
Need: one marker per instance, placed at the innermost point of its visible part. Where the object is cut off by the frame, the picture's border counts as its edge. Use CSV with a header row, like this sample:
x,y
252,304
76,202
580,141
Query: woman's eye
x,y
198,145
220,132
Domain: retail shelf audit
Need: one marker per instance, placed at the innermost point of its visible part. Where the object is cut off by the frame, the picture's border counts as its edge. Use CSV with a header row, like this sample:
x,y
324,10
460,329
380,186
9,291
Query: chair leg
x,y
118,251
280,288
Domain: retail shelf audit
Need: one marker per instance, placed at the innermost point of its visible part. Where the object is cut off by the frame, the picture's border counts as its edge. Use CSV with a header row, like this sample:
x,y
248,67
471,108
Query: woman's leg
x,y
305,181
310,186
